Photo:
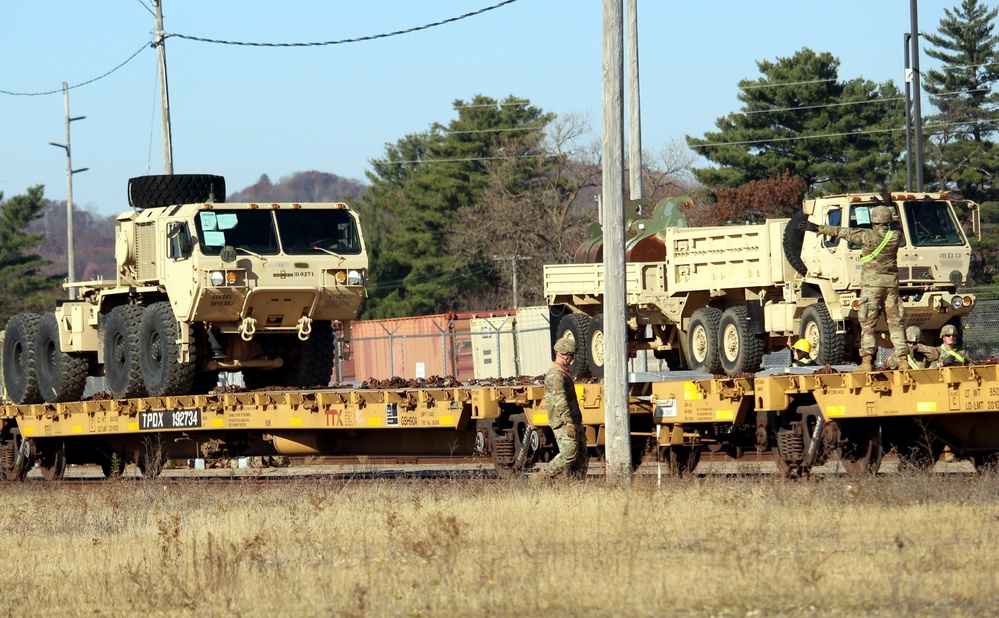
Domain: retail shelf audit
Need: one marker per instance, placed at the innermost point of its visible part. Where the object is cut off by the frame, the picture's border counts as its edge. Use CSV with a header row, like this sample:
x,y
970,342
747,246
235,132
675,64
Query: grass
x,y
913,545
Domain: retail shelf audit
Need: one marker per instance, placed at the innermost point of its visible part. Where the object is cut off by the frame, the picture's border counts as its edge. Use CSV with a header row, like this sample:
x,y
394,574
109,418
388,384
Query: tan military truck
x,y
716,299
202,287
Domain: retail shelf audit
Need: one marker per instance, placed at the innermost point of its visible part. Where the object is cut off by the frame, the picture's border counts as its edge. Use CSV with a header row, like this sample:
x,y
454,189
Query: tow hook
x,y
248,328
304,327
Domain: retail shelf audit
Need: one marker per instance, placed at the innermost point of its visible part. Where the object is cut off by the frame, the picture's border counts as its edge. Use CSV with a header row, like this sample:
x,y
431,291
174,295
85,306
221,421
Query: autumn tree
x,y
24,286
754,202
530,212
799,117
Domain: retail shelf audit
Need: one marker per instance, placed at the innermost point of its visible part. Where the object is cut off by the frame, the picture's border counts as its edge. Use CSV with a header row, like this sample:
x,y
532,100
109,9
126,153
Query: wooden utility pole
x,y
615,330
164,89
635,164
70,268
917,114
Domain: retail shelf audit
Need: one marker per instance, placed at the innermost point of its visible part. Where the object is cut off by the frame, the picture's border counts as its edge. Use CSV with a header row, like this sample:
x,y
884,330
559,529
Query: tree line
x,y
454,214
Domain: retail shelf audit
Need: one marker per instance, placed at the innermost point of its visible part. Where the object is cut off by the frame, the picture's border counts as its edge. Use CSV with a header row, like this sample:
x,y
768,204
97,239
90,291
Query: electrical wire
x,y
89,81
342,41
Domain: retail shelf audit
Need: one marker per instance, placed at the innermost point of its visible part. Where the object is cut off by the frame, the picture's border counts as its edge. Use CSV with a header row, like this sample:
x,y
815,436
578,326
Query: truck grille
x,y
916,273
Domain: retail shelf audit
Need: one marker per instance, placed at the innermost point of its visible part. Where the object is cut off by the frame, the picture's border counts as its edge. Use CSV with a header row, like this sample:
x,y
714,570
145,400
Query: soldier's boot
x,y
865,364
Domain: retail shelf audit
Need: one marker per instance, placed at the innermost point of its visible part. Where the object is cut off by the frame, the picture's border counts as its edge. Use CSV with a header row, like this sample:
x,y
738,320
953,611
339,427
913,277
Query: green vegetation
x,y
24,284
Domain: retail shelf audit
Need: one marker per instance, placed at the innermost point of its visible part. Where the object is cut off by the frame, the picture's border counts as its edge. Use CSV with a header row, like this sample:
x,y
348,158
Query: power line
x,y
344,41
89,81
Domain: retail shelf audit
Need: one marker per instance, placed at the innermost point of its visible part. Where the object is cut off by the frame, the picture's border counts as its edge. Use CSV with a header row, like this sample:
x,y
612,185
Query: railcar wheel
x,y
62,376
17,455
740,350
595,345
528,443
828,346
163,374
122,370
702,340
52,460
861,448
20,373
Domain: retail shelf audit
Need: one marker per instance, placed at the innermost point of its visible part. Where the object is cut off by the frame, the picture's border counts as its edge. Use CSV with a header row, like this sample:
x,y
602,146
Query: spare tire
x,y
159,191
793,236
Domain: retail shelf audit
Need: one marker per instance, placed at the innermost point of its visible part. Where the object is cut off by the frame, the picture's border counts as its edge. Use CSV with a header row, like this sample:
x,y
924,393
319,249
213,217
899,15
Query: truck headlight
x,y
216,278
355,277
957,302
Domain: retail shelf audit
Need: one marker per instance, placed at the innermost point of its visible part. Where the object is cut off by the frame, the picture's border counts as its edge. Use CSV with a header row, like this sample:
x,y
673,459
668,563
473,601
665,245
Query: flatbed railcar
x,y
803,417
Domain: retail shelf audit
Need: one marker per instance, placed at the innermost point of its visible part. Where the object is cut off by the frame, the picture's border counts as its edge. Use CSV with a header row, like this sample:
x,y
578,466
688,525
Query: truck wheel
x,y
595,346
159,353
157,191
19,369
573,326
828,347
310,363
62,376
741,351
791,242
121,352
702,340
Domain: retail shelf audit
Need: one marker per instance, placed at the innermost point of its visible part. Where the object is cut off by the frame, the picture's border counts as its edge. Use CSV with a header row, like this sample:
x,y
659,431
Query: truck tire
x,y
595,345
159,353
702,340
120,340
158,191
573,326
740,351
791,242
62,376
310,363
828,346
19,370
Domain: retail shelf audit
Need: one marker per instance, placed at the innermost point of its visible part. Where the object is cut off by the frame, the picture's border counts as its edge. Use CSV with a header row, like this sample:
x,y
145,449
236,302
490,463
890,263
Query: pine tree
x,y
24,286
800,118
963,152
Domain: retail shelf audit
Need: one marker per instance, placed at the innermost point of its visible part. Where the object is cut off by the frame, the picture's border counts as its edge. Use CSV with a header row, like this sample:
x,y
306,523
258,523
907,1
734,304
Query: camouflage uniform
x,y
950,356
566,422
878,280
918,355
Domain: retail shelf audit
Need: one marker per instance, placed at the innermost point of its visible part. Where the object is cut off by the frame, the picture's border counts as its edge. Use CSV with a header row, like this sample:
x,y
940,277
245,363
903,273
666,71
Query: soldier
x,y
919,355
878,276
949,354
564,416
801,354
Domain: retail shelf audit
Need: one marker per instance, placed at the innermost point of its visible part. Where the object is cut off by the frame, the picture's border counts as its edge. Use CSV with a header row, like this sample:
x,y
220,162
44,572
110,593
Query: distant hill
x,y
93,235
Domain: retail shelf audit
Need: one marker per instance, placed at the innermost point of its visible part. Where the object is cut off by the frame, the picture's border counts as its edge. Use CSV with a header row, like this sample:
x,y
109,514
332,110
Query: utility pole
x,y
916,96
616,420
635,166
908,114
71,272
513,262
164,89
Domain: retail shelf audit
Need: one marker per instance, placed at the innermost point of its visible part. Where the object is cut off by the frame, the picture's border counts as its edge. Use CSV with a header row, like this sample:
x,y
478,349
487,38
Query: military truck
x,y
716,299
202,286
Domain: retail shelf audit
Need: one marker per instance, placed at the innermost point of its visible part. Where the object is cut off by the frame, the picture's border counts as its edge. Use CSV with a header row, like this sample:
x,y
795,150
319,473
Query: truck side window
x,y
179,241
833,217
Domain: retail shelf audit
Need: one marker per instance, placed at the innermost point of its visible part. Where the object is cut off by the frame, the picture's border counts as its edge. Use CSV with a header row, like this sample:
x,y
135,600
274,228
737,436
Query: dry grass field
x,y
900,545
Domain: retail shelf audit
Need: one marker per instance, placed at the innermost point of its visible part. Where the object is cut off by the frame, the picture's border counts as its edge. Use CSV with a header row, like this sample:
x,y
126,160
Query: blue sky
x,y
245,111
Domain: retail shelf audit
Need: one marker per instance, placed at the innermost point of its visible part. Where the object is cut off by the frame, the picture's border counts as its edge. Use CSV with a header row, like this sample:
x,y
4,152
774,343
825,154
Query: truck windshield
x,y
932,224
252,230
305,232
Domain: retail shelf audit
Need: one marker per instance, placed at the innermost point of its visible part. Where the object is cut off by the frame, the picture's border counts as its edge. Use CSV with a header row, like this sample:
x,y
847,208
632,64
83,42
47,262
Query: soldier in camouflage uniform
x,y
920,355
949,354
878,278
564,416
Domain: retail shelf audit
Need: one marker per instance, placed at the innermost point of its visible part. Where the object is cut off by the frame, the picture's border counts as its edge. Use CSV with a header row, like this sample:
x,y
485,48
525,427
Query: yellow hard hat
x,y
803,345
